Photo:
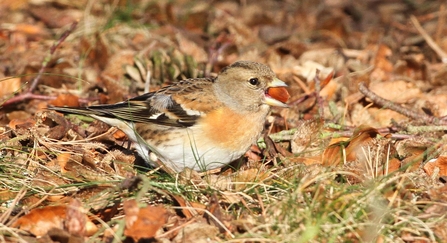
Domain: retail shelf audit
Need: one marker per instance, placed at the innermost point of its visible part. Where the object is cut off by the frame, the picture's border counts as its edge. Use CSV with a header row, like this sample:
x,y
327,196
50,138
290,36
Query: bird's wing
x,y
178,105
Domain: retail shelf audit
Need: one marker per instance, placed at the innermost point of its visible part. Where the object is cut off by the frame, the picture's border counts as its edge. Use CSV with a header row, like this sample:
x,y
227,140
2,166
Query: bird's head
x,y
251,86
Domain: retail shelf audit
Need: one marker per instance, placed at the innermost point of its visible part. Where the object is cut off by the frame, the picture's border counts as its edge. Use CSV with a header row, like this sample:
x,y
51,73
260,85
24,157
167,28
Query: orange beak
x,y
276,94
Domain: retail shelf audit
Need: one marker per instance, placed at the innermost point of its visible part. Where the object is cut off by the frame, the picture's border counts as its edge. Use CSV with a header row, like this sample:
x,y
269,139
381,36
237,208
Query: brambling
x,y
202,123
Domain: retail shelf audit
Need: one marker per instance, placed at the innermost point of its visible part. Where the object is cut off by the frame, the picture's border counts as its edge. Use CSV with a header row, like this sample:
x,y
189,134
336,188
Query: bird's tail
x,y
77,110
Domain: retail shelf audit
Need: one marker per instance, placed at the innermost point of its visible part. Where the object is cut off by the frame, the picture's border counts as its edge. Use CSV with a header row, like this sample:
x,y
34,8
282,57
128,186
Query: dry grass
x,y
294,203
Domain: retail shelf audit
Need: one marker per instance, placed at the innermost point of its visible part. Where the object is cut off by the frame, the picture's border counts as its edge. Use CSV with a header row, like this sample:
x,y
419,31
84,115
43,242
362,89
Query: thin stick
x,y
301,84
16,200
28,94
320,101
52,50
441,23
147,82
395,107
429,40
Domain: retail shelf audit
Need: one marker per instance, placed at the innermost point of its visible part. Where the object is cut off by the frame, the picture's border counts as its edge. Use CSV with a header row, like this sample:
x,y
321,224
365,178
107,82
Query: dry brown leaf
x,y
249,176
60,130
333,20
119,135
74,168
402,91
394,165
370,154
40,220
382,58
54,17
438,166
30,29
6,195
323,78
71,218
360,115
385,116
231,197
382,65
220,218
435,103
306,140
186,206
75,220
333,154
19,123
117,162
97,52
66,100
191,48
62,160
329,89
252,156
113,74
307,160
15,4
143,223
9,86
308,70
19,115
198,232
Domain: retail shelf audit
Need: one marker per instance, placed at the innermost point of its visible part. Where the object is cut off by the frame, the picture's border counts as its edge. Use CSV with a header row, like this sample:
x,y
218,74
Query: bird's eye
x,y
253,81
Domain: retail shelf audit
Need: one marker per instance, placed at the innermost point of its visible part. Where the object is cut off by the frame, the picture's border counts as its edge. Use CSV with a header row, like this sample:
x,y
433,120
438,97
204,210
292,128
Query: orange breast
x,y
232,130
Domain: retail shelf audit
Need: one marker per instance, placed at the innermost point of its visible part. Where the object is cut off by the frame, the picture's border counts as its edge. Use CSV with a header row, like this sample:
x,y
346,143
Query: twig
x,y
441,23
430,16
429,40
147,82
301,84
425,129
28,94
7,213
317,91
402,110
302,99
171,231
52,50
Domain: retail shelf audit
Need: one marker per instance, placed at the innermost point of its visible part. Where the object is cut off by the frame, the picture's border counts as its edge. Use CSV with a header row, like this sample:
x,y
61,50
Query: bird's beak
x,y
276,94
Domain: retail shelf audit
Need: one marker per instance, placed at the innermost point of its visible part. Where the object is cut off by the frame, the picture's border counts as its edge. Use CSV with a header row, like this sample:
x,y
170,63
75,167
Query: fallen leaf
x,y
40,220
15,4
438,166
119,135
364,153
66,100
19,123
75,220
197,233
143,223
402,91
62,160
9,86
385,116
244,178
188,208
30,29
220,218
308,70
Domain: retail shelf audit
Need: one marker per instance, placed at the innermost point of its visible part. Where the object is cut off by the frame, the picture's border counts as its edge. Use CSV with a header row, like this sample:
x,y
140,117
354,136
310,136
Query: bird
x,y
197,123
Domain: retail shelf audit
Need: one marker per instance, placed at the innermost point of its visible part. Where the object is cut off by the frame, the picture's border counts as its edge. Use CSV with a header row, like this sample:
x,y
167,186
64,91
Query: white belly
x,y
187,152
